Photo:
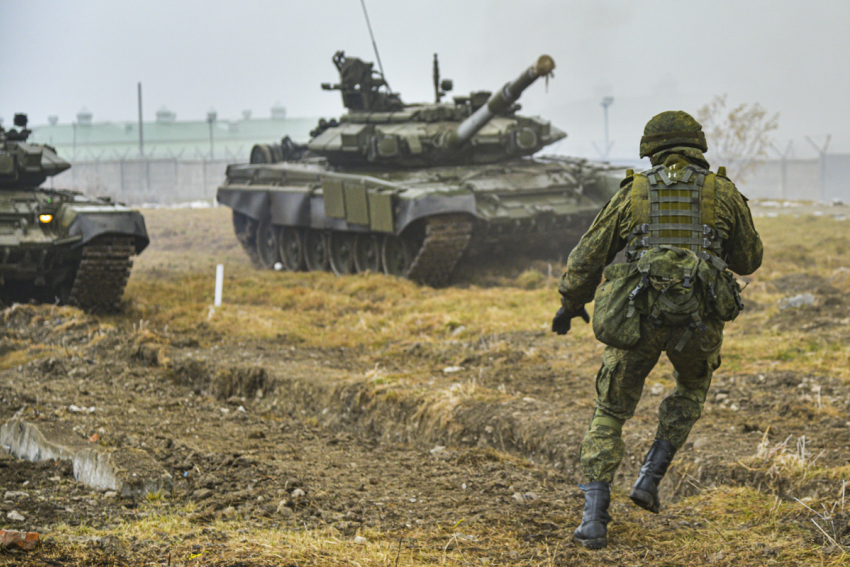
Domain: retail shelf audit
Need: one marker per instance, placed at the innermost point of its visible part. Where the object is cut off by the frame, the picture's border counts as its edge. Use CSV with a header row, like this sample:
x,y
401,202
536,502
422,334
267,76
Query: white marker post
x,y
219,283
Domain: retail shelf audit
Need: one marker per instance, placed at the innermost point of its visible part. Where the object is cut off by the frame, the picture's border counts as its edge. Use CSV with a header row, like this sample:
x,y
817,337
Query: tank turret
x,y
380,129
23,164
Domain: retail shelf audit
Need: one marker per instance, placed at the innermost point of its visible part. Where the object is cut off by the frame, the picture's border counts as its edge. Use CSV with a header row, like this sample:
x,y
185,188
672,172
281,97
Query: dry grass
x,y
725,526
375,311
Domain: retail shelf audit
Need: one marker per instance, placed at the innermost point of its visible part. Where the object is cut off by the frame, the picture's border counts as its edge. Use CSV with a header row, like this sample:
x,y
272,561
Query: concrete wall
x,y
145,181
801,181
804,179
836,180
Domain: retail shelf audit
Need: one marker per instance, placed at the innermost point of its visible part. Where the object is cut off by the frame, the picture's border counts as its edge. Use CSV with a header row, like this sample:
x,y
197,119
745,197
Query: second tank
x,y
408,189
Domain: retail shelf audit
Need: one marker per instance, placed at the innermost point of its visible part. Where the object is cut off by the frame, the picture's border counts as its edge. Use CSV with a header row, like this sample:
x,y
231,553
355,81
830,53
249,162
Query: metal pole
x,y
822,164
606,131
74,158
783,157
211,117
606,102
141,134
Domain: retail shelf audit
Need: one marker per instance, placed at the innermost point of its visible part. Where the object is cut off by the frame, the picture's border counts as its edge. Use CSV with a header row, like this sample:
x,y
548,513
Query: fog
x,y
59,56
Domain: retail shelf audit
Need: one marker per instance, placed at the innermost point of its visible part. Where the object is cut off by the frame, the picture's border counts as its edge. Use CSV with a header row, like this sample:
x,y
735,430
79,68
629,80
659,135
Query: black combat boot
x,y
593,531
645,491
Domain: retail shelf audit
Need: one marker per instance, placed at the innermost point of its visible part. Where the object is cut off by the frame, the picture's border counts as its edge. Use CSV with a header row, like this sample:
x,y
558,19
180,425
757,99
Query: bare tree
x,y
739,137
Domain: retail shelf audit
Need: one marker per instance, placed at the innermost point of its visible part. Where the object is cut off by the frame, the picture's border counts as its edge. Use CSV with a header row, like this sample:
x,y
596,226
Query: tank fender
x,y
90,225
429,205
254,204
290,208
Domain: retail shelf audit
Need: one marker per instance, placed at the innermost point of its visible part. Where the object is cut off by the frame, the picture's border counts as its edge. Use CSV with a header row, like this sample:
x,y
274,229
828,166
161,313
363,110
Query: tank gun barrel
x,y
500,102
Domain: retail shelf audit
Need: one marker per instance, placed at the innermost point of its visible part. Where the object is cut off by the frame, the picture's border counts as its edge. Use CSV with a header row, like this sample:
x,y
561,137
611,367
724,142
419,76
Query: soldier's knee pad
x,y
606,421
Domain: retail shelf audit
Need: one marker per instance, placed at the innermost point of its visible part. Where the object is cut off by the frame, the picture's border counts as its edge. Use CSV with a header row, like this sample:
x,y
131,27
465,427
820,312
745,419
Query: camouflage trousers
x,y
619,385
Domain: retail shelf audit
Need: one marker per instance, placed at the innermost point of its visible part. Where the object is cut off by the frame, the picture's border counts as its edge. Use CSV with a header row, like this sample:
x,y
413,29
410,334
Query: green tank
x,y
408,189
59,246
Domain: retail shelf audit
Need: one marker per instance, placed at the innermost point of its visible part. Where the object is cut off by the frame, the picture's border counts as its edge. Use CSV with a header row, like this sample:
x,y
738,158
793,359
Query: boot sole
x,y
644,500
597,543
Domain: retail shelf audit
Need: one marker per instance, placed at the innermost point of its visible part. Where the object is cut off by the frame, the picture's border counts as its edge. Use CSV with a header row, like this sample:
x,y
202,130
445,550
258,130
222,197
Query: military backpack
x,y
675,275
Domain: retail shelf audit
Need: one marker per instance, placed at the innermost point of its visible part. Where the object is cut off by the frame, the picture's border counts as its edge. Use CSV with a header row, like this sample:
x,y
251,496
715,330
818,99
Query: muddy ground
x,y
460,451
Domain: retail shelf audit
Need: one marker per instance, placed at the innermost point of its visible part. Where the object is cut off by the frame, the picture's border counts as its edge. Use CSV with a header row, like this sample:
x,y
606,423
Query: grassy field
x,y
752,496
173,285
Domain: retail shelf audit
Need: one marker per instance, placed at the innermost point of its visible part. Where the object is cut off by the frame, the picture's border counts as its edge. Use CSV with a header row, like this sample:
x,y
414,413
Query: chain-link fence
x,y
824,180
174,180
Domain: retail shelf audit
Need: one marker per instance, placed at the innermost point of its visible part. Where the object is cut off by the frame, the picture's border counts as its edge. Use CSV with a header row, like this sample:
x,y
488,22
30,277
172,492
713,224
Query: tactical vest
x,y
675,208
675,274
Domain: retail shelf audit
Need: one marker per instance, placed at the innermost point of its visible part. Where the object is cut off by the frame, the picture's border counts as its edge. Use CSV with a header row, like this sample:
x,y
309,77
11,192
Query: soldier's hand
x,y
562,321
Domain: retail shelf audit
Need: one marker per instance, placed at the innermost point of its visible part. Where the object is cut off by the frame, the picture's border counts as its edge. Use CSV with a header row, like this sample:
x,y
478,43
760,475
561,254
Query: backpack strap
x,y
708,198
640,213
708,218
640,200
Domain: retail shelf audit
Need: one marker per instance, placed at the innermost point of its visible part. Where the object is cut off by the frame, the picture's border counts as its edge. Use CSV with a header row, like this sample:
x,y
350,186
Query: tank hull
x,y
80,255
537,206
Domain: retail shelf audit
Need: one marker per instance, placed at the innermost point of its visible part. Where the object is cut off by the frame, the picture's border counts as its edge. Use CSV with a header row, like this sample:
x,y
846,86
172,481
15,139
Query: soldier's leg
x,y
619,385
693,369
693,363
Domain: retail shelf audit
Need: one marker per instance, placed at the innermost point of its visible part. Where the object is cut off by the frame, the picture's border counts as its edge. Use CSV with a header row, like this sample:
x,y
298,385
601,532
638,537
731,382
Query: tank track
x,y
245,229
446,238
103,272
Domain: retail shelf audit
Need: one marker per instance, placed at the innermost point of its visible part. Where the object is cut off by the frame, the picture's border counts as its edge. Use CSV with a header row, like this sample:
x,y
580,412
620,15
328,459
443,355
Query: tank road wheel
x,y
341,247
315,250
267,249
397,255
291,248
246,233
367,252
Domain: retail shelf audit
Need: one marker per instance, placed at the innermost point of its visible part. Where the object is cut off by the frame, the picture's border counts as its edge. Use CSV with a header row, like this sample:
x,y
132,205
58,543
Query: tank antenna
x,y
374,45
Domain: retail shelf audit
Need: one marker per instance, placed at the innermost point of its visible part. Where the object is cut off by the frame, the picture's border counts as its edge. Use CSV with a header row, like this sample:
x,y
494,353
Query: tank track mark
x,y
103,272
446,238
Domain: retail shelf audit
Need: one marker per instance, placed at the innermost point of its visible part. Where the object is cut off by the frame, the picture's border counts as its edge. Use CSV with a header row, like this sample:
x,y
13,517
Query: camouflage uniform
x,y
620,381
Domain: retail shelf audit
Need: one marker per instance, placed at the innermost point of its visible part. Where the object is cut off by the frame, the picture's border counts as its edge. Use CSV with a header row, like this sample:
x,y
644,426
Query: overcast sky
x,y
791,56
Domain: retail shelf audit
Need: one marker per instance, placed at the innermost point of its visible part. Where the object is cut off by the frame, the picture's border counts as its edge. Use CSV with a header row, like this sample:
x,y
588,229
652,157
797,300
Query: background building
x,y
175,161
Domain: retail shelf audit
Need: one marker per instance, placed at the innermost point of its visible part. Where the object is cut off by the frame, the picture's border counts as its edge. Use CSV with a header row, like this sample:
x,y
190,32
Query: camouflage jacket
x,y
609,234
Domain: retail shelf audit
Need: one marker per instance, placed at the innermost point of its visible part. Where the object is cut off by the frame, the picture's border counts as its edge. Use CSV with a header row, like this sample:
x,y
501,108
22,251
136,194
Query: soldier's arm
x,y
743,248
596,249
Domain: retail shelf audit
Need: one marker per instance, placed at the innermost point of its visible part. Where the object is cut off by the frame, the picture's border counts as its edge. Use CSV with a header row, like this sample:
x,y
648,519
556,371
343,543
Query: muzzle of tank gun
x,y
498,103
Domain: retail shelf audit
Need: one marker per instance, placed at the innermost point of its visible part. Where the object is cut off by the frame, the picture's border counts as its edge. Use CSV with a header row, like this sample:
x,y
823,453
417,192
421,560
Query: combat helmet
x,y
670,129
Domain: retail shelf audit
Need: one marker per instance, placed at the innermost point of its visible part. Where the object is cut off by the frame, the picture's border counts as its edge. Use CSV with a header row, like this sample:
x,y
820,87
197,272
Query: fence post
x,y
822,164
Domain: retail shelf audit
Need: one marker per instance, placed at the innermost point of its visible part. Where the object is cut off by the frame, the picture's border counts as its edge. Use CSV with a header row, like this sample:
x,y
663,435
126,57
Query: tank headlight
x,y
45,218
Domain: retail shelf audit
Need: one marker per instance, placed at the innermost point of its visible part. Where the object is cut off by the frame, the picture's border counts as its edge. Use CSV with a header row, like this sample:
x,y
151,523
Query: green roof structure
x,y
169,138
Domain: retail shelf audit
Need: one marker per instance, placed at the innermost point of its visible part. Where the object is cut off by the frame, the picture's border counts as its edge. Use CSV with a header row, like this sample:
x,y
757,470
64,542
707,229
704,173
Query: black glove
x,y
561,322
